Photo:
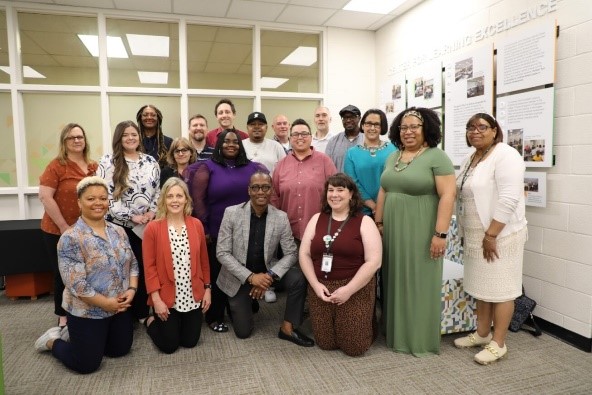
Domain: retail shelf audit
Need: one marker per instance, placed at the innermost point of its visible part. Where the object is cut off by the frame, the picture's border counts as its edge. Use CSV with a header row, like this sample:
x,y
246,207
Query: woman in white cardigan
x,y
491,214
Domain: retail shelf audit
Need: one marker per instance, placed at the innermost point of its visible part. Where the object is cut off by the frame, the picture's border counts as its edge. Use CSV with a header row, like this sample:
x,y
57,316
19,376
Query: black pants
x,y
241,303
219,299
51,244
90,339
180,329
139,307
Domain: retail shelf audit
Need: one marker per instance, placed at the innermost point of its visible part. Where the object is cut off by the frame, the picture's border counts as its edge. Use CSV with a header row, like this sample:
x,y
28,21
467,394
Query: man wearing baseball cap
x,y
259,148
351,136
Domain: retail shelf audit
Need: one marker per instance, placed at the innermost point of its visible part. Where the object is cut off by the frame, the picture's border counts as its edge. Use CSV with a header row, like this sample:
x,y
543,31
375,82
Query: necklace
x,y
328,239
399,169
373,150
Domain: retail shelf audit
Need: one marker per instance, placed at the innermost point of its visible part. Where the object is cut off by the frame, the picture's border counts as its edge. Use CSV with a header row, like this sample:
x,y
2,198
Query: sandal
x,y
219,327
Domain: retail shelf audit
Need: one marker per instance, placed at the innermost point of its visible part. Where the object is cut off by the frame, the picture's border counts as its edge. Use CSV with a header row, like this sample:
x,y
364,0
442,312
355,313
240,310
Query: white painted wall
x,y
558,257
351,76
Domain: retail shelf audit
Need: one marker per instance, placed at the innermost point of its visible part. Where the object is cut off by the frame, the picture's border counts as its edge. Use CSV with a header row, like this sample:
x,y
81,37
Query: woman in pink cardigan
x,y
177,270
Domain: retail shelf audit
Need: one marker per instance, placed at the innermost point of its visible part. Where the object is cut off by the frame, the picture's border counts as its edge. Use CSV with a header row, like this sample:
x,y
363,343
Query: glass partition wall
x,y
58,66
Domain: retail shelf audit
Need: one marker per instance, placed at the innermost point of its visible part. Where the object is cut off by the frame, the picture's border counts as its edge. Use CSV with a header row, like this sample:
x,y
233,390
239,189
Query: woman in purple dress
x,y
215,184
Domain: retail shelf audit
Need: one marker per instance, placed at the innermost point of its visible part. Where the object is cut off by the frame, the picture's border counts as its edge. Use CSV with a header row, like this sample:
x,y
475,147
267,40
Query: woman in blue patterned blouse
x,y
100,276
134,185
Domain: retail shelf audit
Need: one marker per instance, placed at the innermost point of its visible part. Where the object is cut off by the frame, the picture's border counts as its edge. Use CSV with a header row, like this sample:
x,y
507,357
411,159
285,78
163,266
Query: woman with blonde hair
x,y
133,178
57,192
177,270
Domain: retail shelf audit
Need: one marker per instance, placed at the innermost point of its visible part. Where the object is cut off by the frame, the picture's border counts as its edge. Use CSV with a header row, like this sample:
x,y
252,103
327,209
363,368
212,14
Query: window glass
x,y
205,106
4,76
46,114
290,59
150,54
123,108
292,109
53,51
7,153
219,57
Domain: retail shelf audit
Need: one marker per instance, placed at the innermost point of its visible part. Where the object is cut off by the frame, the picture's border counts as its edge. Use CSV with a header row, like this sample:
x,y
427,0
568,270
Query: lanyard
x,y
466,173
327,238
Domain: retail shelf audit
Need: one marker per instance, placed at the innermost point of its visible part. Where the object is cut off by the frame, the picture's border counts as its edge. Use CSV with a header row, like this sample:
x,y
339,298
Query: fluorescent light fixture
x,y
301,56
153,77
115,47
146,45
28,72
373,6
271,82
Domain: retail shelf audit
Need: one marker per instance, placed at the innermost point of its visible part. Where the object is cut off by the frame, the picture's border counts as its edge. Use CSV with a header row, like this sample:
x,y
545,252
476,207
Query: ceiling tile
x,y
305,15
78,61
224,68
331,4
353,20
255,10
198,51
216,9
230,53
143,5
87,3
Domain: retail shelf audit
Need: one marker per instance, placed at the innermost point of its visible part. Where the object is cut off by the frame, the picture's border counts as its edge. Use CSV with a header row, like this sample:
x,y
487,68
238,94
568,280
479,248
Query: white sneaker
x,y
270,296
472,340
65,334
50,334
491,353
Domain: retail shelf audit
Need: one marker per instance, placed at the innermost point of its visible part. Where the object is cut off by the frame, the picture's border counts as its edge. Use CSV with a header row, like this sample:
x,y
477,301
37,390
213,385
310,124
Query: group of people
x,y
171,232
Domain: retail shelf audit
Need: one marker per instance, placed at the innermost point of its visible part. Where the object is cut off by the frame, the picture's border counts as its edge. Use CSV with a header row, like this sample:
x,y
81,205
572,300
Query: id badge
x,y
326,263
460,207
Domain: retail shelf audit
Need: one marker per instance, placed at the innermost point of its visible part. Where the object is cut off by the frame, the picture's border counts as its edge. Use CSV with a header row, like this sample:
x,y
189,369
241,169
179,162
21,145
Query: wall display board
x,y
393,96
526,59
527,122
468,87
535,188
525,74
424,85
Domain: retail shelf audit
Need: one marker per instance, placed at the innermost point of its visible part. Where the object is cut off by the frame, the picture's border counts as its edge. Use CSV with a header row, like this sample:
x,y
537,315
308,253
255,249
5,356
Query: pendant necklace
x,y
399,169
328,239
373,150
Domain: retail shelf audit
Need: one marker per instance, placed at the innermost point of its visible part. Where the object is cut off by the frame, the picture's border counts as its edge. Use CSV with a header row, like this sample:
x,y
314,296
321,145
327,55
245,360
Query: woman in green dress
x,y
414,206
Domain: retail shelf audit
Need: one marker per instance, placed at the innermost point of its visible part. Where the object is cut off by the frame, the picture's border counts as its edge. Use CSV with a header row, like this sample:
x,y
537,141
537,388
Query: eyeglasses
x,y
181,151
72,138
369,125
478,128
300,134
413,128
257,188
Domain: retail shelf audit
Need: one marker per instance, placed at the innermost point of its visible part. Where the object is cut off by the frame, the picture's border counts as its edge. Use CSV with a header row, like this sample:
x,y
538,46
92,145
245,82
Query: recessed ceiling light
x,y
115,47
146,45
373,6
153,77
29,72
301,56
271,82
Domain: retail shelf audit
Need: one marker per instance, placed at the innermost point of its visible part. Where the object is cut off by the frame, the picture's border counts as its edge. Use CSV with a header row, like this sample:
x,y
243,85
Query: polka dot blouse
x,y
184,300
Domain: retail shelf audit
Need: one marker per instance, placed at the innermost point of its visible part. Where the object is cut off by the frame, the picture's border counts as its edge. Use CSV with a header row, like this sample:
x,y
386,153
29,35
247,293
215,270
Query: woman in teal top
x,y
365,163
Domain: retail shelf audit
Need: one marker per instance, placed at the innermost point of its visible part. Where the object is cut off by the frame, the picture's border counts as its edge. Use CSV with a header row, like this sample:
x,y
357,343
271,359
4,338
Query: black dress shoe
x,y
297,338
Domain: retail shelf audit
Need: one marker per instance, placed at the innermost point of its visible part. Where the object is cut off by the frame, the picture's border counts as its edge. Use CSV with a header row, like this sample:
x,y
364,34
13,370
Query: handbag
x,y
523,308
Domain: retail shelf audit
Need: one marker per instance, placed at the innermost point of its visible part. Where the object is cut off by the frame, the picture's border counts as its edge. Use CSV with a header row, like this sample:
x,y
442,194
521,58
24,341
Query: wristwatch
x,y
440,235
207,286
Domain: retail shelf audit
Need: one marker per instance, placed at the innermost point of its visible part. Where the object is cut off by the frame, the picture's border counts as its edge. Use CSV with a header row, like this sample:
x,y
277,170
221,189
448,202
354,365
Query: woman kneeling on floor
x,y
100,275
177,270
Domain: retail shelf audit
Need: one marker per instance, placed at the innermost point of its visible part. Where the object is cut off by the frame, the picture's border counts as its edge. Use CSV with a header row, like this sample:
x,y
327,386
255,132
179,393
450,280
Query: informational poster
x,y
535,188
424,85
468,87
526,59
393,96
527,122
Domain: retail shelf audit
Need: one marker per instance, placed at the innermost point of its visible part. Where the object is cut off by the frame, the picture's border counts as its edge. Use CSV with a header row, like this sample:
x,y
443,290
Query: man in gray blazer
x,y
249,237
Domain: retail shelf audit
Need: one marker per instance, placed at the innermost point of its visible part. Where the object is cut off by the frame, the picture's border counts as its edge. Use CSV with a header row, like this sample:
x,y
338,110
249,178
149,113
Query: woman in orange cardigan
x,y
177,270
